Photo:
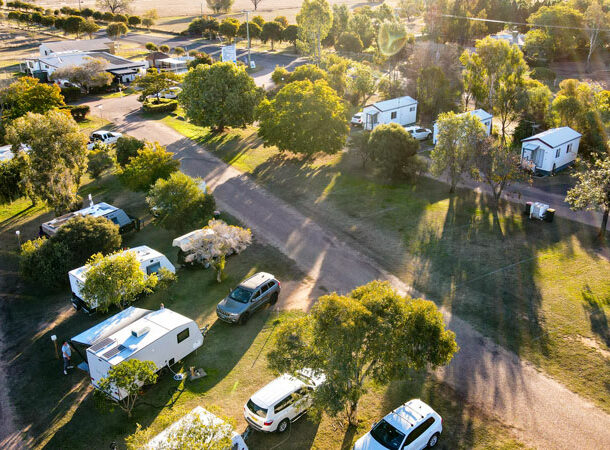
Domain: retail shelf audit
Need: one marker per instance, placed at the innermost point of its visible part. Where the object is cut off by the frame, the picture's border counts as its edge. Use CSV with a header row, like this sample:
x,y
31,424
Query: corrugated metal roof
x,y
555,136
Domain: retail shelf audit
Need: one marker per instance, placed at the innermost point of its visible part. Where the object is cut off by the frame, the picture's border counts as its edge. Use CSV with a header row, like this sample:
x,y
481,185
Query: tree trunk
x,y
592,41
602,230
352,413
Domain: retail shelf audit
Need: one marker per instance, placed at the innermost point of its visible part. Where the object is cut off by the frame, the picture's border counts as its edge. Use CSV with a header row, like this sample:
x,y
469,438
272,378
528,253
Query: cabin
x,y
401,110
550,151
481,114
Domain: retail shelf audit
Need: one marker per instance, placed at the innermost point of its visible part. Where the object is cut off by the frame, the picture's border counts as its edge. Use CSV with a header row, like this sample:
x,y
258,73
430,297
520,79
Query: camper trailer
x,y
401,110
151,261
112,213
162,440
550,151
163,337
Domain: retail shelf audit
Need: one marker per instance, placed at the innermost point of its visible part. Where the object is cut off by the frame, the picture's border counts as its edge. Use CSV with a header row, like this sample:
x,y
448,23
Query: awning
x,y
110,325
123,71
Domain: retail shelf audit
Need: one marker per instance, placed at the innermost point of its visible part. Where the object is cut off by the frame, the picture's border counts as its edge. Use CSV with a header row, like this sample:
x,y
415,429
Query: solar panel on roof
x,y
113,351
97,346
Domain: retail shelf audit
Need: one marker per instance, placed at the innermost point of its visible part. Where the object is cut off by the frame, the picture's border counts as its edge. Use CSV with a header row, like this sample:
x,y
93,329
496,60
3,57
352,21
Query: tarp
x,y
110,325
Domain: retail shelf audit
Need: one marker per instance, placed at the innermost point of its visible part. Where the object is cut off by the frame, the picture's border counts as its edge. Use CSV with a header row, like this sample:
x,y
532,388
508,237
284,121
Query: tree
x,y
361,24
89,27
259,21
179,203
11,187
57,156
219,95
155,81
314,21
179,51
164,48
410,8
90,74
592,191
101,158
457,140
304,117
595,19
251,30
393,149
307,72
116,29
151,163
134,21
272,31
149,18
435,93
126,148
563,31
361,83
359,143
151,47
200,58
128,377
219,6
114,6
372,333
256,3
228,28
349,41
73,24
27,94
291,34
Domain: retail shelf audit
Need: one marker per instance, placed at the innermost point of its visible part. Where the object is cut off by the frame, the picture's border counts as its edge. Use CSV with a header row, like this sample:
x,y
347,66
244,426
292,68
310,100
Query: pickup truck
x,y
103,137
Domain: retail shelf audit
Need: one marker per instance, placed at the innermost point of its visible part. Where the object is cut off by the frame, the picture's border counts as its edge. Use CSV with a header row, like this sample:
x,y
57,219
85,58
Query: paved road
x,y
543,412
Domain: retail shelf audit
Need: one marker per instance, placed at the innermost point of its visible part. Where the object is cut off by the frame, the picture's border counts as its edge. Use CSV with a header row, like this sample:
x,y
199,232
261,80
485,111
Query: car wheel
x,y
283,426
244,318
273,300
433,440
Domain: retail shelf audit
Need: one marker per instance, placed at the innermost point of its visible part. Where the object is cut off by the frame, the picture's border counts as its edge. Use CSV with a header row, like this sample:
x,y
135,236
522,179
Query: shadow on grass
x,y
594,307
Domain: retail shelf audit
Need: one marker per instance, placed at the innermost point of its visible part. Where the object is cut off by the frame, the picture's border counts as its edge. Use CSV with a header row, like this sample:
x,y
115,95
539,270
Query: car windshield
x,y
240,295
261,412
387,435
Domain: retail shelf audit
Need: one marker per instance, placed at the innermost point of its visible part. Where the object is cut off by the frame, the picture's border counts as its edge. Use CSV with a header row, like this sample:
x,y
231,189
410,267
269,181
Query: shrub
x,y
44,262
10,181
71,93
349,42
163,107
79,112
150,164
126,147
393,150
101,158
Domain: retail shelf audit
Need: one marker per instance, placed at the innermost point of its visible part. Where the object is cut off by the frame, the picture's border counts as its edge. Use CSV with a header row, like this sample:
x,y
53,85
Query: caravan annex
x,y
550,151
401,110
151,261
481,114
163,337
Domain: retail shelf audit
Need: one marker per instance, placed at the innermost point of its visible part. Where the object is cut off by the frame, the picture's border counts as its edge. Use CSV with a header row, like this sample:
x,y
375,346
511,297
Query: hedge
x,y
163,107
79,112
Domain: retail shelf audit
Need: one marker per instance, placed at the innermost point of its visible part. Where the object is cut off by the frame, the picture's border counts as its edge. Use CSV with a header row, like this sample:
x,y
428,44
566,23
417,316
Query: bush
x,y
152,162
44,262
71,93
10,181
127,147
79,112
101,158
349,42
393,150
163,107
200,58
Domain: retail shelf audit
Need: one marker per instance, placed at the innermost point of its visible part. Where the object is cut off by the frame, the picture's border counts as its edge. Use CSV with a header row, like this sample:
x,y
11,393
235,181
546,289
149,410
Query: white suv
x,y
412,426
282,401
103,137
419,133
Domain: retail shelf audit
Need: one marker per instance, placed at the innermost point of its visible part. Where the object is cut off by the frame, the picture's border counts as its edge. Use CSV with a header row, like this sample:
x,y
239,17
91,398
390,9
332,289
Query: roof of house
x,y
137,335
110,325
394,103
408,415
506,35
95,210
480,113
83,45
555,136
76,58
276,390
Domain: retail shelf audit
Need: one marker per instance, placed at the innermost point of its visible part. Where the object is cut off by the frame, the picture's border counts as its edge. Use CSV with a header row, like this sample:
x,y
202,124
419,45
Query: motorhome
x,y
151,261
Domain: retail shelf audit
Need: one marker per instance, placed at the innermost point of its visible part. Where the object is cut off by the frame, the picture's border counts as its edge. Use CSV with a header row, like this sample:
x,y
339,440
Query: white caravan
x,y
151,261
163,440
400,110
163,337
550,151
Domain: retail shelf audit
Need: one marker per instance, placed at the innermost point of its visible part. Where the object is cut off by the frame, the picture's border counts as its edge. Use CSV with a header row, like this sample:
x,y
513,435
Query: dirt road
x,y
543,412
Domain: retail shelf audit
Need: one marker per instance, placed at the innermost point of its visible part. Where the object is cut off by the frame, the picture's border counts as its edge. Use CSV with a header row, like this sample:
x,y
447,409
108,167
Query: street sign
x,y
229,53
252,65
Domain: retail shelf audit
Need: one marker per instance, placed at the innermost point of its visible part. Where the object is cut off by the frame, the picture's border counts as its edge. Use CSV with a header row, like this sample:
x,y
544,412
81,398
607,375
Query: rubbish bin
x,y
550,214
528,208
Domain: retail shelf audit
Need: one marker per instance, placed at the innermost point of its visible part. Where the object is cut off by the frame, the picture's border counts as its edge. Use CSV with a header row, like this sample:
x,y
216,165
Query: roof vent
x,y
140,331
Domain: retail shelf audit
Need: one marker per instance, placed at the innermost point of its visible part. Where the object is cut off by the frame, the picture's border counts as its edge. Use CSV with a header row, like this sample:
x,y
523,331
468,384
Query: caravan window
x,y
569,148
184,334
557,153
153,268
412,108
393,115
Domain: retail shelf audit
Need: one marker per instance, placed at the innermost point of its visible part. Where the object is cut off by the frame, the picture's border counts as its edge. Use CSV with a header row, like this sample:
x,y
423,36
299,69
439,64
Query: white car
x,y
419,133
282,401
170,93
103,137
412,426
357,119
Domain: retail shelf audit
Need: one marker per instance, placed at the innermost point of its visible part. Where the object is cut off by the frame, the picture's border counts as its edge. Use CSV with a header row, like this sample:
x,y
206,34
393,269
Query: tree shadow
x,y
594,307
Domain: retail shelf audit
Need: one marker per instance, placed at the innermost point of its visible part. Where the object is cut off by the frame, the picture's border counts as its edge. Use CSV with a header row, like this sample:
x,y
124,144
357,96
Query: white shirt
x,y
65,349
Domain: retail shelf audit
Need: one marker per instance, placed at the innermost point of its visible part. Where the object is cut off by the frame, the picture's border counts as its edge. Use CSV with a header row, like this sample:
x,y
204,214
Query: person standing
x,y
67,354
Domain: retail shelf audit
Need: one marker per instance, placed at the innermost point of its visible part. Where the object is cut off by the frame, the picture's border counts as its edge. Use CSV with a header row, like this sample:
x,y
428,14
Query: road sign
x,y
229,53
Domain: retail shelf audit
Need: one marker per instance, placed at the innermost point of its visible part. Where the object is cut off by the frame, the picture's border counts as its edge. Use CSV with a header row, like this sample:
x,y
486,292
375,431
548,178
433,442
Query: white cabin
x,y
163,337
481,114
112,213
151,261
162,440
401,110
550,151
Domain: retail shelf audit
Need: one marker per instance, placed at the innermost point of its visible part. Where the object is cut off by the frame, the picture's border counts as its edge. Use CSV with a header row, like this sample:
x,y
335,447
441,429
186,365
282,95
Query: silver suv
x,y
250,295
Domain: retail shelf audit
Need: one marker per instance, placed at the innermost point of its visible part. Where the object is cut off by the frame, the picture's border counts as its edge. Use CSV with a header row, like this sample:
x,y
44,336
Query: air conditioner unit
x,y
140,332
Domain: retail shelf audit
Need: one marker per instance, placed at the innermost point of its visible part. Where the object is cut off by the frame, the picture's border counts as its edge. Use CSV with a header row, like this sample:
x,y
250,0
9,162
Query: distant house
x,y
550,151
512,37
166,63
153,57
42,67
82,45
401,110
481,114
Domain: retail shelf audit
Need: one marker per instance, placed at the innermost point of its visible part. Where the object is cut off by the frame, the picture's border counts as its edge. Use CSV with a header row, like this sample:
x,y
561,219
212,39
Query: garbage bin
x,y
528,208
549,215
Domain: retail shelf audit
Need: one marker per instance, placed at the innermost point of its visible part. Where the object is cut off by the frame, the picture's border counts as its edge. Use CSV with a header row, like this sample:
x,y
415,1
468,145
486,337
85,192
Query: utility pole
x,y
248,36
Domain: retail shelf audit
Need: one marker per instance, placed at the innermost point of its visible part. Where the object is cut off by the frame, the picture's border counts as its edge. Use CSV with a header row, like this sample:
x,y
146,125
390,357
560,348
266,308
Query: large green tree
x,y
315,21
435,93
91,74
151,163
272,32
27,94
393,149
219,95
371,334
155,81
563,33
304,117
56,157
592,191
115,30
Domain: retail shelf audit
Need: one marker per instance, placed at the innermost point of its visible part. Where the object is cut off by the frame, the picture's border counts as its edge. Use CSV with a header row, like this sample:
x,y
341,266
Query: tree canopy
x,y
393,149
314,21
155,81
27,94
151,163
92,73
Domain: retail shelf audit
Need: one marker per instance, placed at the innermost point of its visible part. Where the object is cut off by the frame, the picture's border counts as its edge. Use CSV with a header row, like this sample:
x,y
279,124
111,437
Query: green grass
x,y
541,290
58,411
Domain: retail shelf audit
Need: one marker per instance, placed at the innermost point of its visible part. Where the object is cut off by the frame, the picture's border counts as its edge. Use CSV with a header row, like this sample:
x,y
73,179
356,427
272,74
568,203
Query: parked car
x,y
251,294
281,402
419,133
414,425
171,92
357,119
103,137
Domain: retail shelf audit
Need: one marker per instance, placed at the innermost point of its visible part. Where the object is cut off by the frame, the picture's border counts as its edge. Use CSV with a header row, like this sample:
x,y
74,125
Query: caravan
x,y
151,261
163,337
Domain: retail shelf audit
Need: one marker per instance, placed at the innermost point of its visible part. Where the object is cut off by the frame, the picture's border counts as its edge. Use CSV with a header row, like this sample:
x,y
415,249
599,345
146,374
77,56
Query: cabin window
x,y
412,108
393,115
153,268
557,153
184,334
569,148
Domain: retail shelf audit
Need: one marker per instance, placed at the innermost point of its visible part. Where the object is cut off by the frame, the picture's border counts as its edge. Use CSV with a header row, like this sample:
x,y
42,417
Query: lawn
x,y
58,411
542,290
